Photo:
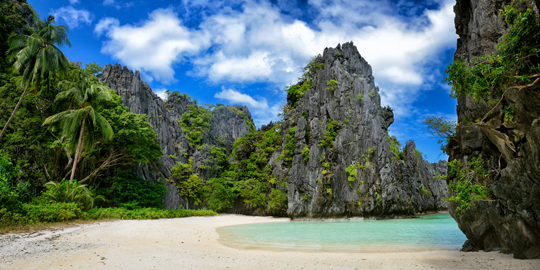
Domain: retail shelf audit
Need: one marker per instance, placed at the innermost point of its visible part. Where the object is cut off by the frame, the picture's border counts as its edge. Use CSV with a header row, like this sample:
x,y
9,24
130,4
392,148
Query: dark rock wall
x,y
510,222
384,186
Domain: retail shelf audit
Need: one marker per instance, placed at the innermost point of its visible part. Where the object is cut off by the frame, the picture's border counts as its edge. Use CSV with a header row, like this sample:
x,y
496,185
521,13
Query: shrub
x,y
305,153
331,85
351,173
468,186
71,192
134,192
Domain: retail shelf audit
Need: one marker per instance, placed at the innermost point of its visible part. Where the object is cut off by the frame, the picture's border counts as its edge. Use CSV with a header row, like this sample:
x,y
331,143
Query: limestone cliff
x,y
342,163
510,220
227,124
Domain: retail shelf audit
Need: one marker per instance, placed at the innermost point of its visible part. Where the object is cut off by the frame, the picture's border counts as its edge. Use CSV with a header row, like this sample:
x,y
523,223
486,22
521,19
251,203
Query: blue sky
x,y
247,51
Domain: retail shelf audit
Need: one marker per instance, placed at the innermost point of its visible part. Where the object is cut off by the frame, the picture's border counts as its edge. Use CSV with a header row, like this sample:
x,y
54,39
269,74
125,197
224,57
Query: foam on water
x,y
428,232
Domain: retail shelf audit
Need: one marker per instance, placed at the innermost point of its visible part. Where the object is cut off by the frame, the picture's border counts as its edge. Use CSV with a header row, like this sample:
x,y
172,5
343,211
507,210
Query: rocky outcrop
x,y
510,221
228,123
139,98
342,163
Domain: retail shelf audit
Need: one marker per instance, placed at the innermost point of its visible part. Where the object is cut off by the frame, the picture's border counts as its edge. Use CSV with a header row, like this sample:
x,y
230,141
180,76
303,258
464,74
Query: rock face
x,y
343,100
510,222
228,123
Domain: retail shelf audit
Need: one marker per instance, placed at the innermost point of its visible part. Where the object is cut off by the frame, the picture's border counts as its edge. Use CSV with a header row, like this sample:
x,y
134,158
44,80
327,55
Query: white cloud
x,y
261,111
153,46
161,93
73,2
73,17
105,24
116,4
255,42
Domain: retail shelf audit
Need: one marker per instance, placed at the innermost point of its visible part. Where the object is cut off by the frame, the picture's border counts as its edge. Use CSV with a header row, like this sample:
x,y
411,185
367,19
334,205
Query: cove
x,y
428,232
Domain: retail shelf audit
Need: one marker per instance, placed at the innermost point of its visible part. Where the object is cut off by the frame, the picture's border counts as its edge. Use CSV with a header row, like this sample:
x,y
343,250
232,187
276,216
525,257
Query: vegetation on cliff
x,y
487,80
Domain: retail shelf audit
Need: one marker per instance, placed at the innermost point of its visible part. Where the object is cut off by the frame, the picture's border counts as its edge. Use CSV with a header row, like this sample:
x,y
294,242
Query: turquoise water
x,y
428,232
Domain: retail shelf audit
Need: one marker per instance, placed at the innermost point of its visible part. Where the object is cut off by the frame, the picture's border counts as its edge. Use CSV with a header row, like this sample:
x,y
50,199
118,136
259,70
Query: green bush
x,y
220,193
71,192
351,173
305,153
144,213
469,185
134,192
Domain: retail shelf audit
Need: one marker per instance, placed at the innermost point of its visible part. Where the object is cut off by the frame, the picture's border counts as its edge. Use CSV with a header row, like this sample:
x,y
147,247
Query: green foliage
x,y
93,68
370,151
378,199
71,192
305,153
134,192
277,202
508,114
515,65
144,213
192,188
188,182
54,212
299,89
182,171
395,147
418,154
311,68
424,190
290,145
220,193
372,93
330,133
442,128
194,123
351,173
469,184
331,85
360,97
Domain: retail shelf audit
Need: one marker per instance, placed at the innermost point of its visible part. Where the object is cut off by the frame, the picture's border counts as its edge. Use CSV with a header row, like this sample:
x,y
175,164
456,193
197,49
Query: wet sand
x,y
192,243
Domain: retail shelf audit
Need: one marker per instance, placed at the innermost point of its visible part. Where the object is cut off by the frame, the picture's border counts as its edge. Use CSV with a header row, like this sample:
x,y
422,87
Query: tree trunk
x,y
14,111
78,151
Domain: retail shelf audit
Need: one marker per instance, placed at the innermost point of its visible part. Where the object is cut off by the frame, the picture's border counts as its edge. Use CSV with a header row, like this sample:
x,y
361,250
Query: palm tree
x,y
37,56
79,119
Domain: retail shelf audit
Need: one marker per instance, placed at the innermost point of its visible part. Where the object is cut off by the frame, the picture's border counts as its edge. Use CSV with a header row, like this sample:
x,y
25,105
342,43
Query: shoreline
x,y
193,243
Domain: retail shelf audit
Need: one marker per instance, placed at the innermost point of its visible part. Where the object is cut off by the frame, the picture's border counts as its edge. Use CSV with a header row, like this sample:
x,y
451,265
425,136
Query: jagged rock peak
x,y
342,163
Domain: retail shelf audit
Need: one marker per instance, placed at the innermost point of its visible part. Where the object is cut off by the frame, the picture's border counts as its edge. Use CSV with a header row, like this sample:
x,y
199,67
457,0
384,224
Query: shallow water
x,y
428,232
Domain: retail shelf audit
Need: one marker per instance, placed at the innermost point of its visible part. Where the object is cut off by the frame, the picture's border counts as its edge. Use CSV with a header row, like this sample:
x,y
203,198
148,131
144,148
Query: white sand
x,y
192,243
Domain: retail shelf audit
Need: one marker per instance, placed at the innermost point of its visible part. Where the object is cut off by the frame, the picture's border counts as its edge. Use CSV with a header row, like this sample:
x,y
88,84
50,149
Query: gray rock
x,y
228,124
510,222
384,186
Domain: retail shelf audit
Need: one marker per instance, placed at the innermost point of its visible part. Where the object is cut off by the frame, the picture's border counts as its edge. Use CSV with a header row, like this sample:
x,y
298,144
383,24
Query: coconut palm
x,y
38,57
79,119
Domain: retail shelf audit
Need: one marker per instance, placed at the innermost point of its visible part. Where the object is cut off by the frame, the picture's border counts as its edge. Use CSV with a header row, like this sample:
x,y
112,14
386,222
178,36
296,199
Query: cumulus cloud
x,y
73,17
161,93
254,41
262,112
153,46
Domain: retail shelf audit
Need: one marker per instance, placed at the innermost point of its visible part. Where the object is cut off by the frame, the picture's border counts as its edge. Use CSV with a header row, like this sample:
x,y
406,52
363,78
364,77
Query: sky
x,y
247,51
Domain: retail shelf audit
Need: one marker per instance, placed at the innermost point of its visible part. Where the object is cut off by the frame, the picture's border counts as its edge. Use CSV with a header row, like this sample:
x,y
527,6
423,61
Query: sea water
x,y
428,232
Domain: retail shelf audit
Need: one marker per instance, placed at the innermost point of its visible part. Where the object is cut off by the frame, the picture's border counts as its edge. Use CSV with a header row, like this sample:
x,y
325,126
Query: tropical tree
x,y
38,57
79,119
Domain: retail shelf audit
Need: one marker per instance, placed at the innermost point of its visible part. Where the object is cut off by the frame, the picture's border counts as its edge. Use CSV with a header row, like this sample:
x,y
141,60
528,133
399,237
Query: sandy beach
x,y
192,243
